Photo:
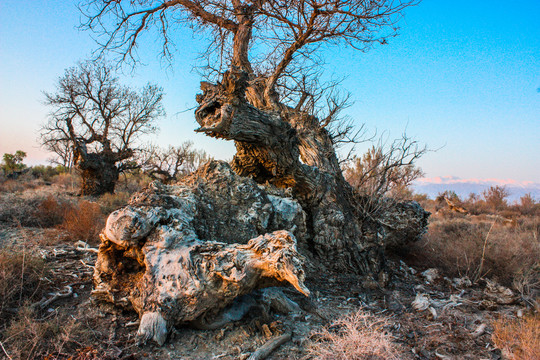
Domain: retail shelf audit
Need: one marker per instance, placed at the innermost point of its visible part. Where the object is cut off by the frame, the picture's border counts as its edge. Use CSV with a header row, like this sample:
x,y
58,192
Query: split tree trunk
x,y
289,148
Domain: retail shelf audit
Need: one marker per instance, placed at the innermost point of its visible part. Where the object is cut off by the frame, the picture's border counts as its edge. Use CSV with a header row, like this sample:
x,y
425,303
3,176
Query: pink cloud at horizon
x,y
447,180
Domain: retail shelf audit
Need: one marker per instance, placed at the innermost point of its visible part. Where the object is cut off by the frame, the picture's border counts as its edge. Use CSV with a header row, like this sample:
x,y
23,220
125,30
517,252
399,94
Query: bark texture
x,y
290,149
98,176
159,255
182,253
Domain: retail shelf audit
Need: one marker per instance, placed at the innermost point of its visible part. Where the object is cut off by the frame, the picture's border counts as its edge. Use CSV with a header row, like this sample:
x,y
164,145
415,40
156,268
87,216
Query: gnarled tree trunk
x,y
98,178
289,148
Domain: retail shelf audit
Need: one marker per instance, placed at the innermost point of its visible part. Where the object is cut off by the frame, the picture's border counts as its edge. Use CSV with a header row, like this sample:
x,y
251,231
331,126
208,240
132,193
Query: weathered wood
x,y
158,255
290,149
270,346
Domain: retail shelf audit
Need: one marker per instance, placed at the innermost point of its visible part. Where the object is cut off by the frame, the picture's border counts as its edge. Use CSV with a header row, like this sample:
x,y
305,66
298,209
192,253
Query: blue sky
x,y
462,77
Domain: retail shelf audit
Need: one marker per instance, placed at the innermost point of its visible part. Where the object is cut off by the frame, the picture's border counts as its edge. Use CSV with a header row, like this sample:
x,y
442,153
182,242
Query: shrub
x,y
495,197
83,222
34,209
47,172
54,337
20,281
358,336
518,339
67,181
110,202
463,247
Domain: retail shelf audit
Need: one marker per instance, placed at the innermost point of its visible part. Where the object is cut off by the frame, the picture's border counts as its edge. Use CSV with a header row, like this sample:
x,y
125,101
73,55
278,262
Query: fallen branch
x,y
480,330
270,346
82,246
59,295
5,352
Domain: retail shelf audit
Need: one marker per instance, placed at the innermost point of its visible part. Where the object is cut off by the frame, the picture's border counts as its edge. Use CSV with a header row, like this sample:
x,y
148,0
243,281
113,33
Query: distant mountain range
x,y
463,187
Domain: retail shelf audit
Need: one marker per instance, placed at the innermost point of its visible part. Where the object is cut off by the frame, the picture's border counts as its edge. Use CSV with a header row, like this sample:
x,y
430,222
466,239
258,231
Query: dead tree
x,y
278,141
101,121
170,164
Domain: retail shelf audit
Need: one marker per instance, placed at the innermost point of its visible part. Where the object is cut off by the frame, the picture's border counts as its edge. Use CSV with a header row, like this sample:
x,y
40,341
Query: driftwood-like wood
x,y
157,255
290,149
270,346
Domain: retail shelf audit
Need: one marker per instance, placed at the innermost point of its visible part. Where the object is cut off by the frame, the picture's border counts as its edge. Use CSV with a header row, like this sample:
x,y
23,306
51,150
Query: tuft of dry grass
x,y
31,337
111,202
21,277
475,248
518,339
83,222
357,336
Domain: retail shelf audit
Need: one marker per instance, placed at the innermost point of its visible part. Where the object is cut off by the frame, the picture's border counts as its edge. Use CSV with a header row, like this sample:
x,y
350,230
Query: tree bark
x,y
289,149
98,175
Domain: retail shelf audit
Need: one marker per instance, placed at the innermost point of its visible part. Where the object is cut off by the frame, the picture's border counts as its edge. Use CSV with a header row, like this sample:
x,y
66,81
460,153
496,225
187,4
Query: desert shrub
x,y
83,222
131,182
54,337
47,172
34,209
358,336
20,281
16,209
465,247
518,339
110,202
51,211
67,181
528,205
495,197
19,185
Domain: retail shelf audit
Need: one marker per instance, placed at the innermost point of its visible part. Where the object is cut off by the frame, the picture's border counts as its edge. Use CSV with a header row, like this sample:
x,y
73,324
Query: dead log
x,y
181,253
158,258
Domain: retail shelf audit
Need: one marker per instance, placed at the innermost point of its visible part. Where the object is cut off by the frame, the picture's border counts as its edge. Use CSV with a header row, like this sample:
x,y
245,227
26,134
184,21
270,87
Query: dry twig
x,y
270,346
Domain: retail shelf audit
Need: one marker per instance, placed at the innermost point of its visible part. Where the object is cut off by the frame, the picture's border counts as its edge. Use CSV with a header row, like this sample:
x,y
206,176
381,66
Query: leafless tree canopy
x,y
275,41
98,118
171,163
269,97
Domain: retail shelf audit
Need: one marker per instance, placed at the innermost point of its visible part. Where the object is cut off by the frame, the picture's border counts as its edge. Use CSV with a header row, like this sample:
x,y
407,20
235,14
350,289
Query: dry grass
x,y
21,277
358,336
466,246
33,208
83,222
111,202
518,339
53,337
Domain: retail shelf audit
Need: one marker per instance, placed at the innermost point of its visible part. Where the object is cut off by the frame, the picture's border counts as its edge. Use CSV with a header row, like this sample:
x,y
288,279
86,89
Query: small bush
x,y
84,222
67,181
33,209
111,202
456,246
54,337
518,339
20,281
358,336
51,211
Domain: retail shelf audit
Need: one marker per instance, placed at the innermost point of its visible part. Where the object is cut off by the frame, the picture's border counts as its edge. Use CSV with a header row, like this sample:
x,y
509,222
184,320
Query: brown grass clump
x,y
21,277
357,336
52,337
83,222
111,202
466,246
518,339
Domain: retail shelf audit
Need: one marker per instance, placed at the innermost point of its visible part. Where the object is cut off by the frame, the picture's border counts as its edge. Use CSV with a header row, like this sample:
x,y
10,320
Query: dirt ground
x,y
431,317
